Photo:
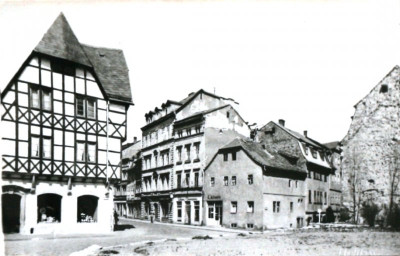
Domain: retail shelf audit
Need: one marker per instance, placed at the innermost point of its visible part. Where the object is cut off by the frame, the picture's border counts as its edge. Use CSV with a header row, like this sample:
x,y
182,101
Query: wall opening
x,y
87,208
49,208
384,88
11,207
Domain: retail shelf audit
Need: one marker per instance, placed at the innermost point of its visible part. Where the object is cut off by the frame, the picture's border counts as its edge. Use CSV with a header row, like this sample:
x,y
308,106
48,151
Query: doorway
x,y
214,214
187,212
11,210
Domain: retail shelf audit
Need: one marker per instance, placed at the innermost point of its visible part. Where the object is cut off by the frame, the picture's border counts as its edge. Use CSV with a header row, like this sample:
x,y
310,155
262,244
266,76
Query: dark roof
x,y
131,150
109,65
112,71
300,137
199,114
262,156
332,145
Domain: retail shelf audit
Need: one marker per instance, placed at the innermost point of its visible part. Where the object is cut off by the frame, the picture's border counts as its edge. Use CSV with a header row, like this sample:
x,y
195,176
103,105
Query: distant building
x,y
336,180
63,122
127,191
179,139
371,147
248,186
308,154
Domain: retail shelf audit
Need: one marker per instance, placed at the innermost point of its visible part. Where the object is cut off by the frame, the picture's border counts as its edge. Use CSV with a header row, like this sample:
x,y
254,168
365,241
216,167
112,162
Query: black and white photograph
x,y
178,127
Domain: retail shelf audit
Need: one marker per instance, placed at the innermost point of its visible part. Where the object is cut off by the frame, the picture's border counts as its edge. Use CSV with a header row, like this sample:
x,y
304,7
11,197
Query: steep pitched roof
x,y
61,42
112,71
262,156
109,65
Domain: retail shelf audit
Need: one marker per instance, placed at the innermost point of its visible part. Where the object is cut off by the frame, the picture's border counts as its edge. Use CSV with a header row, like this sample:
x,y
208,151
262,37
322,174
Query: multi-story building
x,y
248,186
63,122
179,139
127,191
310,155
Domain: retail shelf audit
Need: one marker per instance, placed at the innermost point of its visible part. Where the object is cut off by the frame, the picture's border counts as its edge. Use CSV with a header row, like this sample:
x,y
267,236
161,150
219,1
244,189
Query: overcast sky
x,y
307,62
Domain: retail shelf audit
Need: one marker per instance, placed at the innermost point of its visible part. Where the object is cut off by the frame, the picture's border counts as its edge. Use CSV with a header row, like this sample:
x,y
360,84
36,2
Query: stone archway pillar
x,y
30,213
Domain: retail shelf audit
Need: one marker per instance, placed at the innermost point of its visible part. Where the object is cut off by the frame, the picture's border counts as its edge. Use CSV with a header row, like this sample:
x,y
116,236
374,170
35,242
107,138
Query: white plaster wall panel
x,y
34,62
69,97
122,130
49,119
81,125
21,116
70,120
92,138
102,104
102,155
46,78
114,144
89,75
23,132
117,107
101,115
58,107
80,136
8,129
69,83
8,147
69,139
46,132
23,149
57,95
34,121
11,166
58,152
114,158
58,137
13,87
57,81
69,154
102,143
30,74
22,87
69,109
80,73
35,162
117,118
80,86
45,63
9,98
91,126
46,170
93,89
35,130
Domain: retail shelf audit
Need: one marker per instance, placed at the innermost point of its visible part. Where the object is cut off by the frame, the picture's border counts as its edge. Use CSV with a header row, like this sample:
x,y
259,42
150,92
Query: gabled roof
x,y
200,114
300,137
109,65
61,42
262,156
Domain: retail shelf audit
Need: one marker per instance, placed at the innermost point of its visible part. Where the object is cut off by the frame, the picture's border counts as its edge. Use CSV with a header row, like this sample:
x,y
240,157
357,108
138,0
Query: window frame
x,y
234,207
250,207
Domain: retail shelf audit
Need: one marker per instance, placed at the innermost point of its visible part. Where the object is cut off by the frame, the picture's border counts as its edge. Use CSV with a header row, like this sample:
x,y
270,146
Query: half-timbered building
x,y
64,116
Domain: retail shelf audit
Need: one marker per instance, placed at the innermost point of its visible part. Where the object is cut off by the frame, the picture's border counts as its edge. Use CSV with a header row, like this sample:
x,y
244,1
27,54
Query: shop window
x,y
250,206
49,208
87,208
179,210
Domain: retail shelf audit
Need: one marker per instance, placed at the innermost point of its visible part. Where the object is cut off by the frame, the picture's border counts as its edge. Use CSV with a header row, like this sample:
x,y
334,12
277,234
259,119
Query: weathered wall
x,y
369,146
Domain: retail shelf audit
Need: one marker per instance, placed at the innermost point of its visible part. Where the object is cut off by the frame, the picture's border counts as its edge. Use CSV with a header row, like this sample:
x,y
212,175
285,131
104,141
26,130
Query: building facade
x,y
178,141
63,122
247,186
310,155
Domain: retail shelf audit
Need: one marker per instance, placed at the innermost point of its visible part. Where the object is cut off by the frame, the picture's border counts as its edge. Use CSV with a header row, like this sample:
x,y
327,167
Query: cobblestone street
x,y
65,245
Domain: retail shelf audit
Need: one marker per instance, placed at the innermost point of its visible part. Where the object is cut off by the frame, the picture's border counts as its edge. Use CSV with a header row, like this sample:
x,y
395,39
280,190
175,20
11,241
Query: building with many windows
x,y
248,186
63,123
179,139
309,155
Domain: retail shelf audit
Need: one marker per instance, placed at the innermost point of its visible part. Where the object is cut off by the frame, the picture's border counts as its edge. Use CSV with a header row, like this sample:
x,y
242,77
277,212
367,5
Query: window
x,y
178,179
91,109
180,134
187,178
233,156
250,225
85,107
35,98
189,131
63,67
250,206
225,157
384,88
49,208
198,129
80,107
233,182
275,206
233,207
197,150
41,148
296,183
85,151
43,102
211,211
309,197
250,179
179,151
291,206
309,174
325,178
87,208
187,147
46,100
290,183
315,197
233,225
179,210
227,114
212,182
196,179
226,180
325,198
196,211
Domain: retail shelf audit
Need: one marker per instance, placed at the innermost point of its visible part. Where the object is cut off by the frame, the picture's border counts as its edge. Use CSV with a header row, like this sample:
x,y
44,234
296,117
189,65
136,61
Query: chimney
x,y
134,139
282,122
305,133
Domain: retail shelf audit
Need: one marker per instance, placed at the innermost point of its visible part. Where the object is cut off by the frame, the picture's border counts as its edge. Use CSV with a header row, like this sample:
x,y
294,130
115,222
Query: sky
x,y
307,62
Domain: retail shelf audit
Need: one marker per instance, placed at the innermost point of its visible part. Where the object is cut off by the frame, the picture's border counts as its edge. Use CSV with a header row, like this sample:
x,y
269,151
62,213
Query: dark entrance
x,y
11,211
49,208
187,213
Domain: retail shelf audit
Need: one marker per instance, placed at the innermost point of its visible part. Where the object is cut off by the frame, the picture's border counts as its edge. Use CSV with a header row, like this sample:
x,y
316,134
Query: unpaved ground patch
x,y
291,243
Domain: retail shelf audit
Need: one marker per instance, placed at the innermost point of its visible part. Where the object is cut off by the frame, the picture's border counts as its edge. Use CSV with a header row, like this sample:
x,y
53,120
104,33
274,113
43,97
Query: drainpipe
x,y
107,114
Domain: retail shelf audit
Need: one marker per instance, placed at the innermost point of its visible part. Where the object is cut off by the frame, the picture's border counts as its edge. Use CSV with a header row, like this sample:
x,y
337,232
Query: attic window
x,y
384,88
227,114
62,67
